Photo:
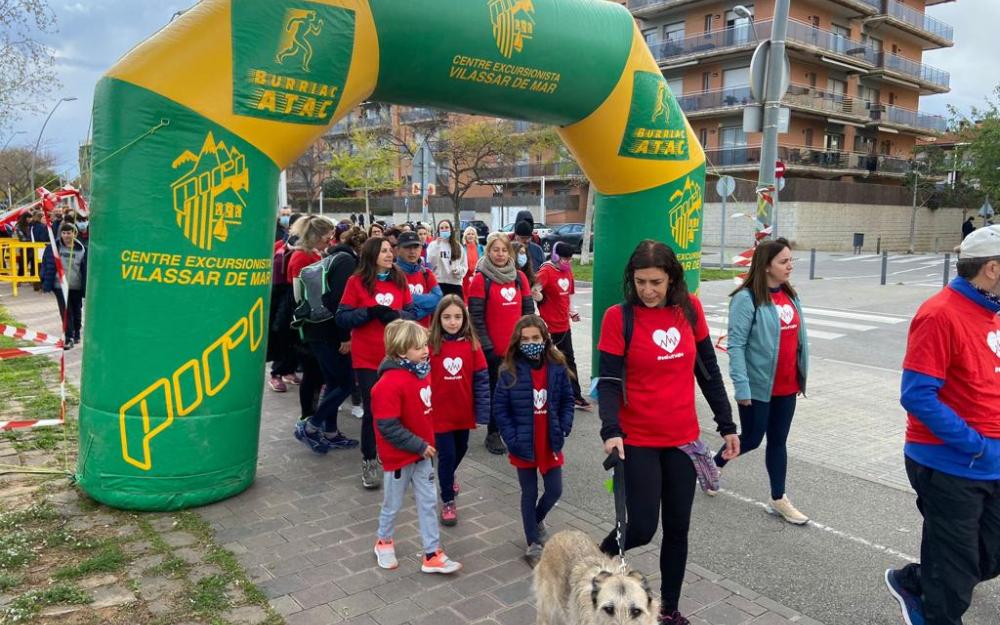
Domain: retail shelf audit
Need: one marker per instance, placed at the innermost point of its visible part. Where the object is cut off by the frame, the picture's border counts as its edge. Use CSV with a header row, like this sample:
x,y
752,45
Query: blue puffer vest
x,y
514,409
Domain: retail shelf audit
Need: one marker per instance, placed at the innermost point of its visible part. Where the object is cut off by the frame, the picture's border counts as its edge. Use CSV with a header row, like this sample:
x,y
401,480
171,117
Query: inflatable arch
x,y
191,131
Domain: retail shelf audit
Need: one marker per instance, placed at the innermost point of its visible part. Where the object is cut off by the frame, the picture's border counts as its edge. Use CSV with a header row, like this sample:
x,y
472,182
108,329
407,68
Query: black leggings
x,y
658,477
494,370
533,509
450,289
564,342
366,380
451,448
312,382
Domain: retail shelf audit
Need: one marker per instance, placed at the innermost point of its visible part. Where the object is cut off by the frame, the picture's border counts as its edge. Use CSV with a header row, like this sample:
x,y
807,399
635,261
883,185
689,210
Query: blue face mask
x,y
532,350
445,234
522,260
382,276
81,225
284,220
420,369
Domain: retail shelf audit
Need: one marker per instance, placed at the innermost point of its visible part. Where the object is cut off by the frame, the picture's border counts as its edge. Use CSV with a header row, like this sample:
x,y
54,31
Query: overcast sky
x,y
94,33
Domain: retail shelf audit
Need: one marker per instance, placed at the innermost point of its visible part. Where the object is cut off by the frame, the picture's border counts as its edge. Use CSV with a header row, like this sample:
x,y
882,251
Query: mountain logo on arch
x,y
685,213
513,23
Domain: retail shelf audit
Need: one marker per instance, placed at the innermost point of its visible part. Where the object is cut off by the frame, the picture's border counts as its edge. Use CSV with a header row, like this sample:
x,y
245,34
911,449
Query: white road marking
x,y
825,323
864,542
850,258
846,314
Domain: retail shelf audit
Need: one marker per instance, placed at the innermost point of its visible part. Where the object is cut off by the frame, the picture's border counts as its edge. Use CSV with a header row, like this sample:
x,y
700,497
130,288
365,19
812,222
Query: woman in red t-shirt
x,y
459,373
374,296
768,355
498,296
657,341
473,250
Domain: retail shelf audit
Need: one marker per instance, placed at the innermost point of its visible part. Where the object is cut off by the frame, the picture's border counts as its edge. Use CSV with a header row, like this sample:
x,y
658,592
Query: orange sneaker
x,y
385,554
440,563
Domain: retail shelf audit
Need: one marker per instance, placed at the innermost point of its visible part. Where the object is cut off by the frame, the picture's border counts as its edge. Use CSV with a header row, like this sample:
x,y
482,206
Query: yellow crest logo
x,y
513,22
300,26
685,213
209,196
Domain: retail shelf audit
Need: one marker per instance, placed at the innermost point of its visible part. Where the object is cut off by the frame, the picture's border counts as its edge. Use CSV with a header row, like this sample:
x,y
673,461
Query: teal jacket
x,y
753,337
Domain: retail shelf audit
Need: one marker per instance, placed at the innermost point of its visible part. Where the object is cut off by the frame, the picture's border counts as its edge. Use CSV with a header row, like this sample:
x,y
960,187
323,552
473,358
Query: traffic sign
x,y
725,186
779,170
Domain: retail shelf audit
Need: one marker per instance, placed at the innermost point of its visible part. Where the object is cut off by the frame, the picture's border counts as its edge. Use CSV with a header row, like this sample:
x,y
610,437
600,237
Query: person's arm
x,y
460,266
712,387
350,313
567,406
527,301
409,312
919,396
477,311
501,408
481,395
336,281
741,314
610,395
397,435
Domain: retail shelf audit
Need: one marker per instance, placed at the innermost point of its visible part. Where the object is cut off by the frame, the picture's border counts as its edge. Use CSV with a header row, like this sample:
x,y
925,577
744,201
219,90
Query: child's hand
x,y
430,452
345,348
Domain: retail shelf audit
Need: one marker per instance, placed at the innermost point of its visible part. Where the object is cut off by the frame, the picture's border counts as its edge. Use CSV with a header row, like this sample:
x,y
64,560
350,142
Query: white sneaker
x,y
385,554
357,412
784,508
440,563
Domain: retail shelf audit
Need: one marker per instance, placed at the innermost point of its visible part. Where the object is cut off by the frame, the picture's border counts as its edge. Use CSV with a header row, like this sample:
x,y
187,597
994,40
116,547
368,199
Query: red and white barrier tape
x,y
25,334
35,423
48,344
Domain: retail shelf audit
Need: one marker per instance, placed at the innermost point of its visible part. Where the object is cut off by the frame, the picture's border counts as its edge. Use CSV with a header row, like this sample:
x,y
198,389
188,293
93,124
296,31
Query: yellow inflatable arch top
x,y
191,131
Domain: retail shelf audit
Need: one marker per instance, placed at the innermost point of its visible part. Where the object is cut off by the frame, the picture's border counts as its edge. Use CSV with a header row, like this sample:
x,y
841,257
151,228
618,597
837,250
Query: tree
x,y
366,165
309,171
980,130
15,174
28,73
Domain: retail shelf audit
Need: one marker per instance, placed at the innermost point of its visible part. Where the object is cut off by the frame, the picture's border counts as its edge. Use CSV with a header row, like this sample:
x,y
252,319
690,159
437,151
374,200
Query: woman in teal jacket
x,y
768,363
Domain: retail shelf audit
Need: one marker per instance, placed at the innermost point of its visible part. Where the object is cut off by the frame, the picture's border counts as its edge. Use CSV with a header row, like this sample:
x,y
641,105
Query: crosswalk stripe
x,y
911,259
891,259
843,314
850,258
819,334
825,323
813,334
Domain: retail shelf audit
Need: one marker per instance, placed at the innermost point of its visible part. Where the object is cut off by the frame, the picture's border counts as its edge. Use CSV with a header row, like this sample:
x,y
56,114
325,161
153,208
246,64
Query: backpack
x,y
309,288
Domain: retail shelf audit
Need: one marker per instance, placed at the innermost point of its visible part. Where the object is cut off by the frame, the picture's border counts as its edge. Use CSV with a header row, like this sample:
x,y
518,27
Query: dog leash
x,y
617,466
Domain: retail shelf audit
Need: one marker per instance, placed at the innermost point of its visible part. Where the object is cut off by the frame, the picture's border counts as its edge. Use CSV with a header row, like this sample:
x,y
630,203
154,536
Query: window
x,y
738,28
576,229
814,20
885,147
808,137
649,35
708,23
811,77
836,87
833,142
869,94
673,32
874,42
676,86
892,98
739,77
703,137
733,137
841,31
706,81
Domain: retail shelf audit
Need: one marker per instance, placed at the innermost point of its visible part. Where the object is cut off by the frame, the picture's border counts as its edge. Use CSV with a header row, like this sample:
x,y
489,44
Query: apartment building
x,y
857,75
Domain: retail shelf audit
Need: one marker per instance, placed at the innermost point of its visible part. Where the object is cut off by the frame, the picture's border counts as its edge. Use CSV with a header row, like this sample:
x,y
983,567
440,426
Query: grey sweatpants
x,y
421,475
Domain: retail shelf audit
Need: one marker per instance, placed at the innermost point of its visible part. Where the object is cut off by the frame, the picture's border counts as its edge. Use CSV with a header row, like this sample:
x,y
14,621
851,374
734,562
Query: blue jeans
x,y
339,379
772,419
451,448
421,475
533,509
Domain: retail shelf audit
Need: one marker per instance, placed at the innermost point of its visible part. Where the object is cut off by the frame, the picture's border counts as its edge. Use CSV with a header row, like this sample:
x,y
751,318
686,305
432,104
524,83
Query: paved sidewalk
x,y
305,530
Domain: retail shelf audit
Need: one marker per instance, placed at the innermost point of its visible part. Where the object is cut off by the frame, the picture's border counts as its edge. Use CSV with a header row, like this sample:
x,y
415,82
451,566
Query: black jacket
x,y
336,280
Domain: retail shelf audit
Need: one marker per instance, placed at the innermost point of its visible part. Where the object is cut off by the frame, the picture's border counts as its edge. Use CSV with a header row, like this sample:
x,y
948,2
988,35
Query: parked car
x,y
481,228
566,233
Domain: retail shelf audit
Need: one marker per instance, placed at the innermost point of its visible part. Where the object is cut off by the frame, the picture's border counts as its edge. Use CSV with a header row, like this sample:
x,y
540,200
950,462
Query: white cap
x,y
981,243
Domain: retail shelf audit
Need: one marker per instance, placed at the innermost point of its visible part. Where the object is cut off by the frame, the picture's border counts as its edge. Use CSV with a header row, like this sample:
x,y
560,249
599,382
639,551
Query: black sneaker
x,y
339,441
313,441
674,618
910,604
494,444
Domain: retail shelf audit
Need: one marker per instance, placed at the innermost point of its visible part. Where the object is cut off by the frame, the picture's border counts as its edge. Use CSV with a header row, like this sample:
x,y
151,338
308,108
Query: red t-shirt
x,y
956,340
299,261
503,307
401,395
786,377
545,459
452,372
420,283
557,286
368,340
659,373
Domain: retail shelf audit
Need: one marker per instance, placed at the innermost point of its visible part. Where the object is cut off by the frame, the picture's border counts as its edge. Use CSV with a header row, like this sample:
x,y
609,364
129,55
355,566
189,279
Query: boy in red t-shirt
x,y
558,285
401,407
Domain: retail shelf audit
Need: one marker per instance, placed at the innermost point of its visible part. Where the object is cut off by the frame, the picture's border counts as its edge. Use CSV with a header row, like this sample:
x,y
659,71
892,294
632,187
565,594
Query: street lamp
x,y
745,13
16,132
34,152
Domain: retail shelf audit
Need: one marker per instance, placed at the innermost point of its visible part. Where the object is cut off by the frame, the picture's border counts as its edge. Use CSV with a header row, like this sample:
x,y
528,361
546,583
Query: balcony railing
x,y
800,156
650,6
373,121
913,69
799,96
807,34
721,98
534,170
888,114
919,20
419,115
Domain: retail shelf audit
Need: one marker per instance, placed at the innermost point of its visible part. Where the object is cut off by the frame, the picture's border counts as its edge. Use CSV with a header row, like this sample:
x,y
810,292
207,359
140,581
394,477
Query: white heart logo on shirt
x,y
416,289
563,284
384,299
508,293
668,340
786,313
993,339
541,397
453,365
425,396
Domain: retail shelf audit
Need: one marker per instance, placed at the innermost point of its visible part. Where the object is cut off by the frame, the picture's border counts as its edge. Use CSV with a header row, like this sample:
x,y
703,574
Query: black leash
x,y
615,464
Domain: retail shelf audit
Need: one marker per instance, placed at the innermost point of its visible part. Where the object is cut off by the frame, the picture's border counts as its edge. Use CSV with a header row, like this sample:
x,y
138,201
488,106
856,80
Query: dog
x,y
576,584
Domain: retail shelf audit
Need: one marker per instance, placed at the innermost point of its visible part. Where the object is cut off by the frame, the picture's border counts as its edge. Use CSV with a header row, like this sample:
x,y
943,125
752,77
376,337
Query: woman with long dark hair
x,y
375,296
768,363
653,347
446,260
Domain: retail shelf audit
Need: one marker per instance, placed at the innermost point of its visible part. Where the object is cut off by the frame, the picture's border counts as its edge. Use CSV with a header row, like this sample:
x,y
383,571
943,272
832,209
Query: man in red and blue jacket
x,y
951,392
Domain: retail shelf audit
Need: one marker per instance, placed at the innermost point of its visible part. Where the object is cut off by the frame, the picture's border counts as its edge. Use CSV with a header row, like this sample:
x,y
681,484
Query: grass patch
x,y
25,384
583,272
708,274
107,560
31,603
8,581
171,567
208,596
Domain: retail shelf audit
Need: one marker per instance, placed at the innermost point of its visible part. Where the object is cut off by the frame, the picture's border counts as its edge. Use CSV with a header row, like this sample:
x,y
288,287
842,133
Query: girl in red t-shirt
x,y
657,342
374,296
458,372
533,405
498,296
768,364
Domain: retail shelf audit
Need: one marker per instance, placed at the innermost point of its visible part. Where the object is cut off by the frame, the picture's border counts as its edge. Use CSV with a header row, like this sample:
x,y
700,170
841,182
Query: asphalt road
x,y
845,462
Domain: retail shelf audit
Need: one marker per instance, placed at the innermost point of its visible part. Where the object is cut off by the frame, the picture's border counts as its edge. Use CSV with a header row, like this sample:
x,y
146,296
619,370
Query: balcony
x,y
810,161
894,116
865,6
807,37
342,127
420,116
708,103
648,8
532,171
929,79
381,119
799,97
934,33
